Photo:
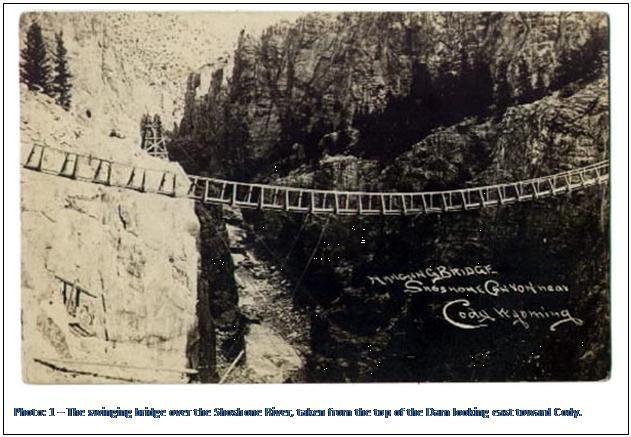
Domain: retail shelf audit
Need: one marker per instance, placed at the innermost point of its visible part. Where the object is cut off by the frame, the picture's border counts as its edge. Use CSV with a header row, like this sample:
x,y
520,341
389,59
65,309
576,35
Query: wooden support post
x,y
500,195
465,204
143,181
32,156
568,182
233,200
69,162
206,191
131,178
74,167
553,190
28,164
109,173
535,189
424,203
192,188
97,172
445,204
262,198
40,162
582,176
249,197
162,181
383,204
482,198
286,199
404,207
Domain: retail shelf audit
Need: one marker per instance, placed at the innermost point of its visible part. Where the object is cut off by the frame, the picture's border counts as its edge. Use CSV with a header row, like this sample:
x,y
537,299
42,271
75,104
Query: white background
x,y
604,405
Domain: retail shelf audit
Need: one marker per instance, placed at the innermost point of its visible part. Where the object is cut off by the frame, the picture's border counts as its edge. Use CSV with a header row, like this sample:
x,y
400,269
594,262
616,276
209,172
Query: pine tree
x,y
526,93
502,88
540,86
476,89
34,69
144,122
565,71
61,82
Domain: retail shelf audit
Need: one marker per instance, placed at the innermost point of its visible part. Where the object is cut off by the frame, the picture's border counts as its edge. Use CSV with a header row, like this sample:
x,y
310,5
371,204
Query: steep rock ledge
x,y
129,262
379,82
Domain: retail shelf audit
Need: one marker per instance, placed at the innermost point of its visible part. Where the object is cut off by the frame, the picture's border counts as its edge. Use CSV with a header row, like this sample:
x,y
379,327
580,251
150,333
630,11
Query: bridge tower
x,y
152,139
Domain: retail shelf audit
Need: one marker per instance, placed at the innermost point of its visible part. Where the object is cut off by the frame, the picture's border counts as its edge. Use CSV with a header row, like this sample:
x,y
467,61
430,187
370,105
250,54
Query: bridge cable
x,y
313,253
291,249
288,274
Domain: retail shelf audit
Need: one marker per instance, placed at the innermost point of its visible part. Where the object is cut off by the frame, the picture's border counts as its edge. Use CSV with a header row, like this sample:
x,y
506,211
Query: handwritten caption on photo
x,y
466,312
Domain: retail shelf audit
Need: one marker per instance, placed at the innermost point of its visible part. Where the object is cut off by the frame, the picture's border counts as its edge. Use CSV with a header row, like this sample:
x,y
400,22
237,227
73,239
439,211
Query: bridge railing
x,y
304,200
96,170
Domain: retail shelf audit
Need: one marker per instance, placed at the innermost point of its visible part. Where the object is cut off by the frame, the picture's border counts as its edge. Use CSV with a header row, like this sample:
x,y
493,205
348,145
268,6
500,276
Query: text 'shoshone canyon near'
x,y
314,197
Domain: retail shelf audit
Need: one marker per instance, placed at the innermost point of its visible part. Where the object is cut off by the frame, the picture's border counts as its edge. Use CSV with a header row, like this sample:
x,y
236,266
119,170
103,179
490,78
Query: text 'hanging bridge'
x,y
304,200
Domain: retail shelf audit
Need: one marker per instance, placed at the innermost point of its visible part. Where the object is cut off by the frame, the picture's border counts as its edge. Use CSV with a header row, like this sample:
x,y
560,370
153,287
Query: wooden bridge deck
x,y
280,198
303,200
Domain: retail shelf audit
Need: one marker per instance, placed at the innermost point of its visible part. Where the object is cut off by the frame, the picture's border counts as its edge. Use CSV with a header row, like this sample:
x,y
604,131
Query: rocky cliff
x,y
109,275
125,64
382,81
424,101
120,285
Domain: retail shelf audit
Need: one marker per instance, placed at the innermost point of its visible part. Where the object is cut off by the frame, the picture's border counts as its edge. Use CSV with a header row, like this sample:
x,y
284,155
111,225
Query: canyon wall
x,y
109,275
424,101
381,82
151,300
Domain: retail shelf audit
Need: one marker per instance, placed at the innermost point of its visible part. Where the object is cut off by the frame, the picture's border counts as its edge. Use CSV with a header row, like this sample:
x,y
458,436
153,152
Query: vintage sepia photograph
x,y
314,197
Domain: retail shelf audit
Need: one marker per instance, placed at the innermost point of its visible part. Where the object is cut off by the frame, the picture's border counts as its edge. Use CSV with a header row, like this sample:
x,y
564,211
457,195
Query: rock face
x,y
556,133
154,302
429,101
125,286
109,275
400,74
118,71
276,336
125,64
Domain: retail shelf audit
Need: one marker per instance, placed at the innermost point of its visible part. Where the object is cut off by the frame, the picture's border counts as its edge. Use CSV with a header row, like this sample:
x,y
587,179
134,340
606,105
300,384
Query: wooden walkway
x,y
302,200
101,171
279,198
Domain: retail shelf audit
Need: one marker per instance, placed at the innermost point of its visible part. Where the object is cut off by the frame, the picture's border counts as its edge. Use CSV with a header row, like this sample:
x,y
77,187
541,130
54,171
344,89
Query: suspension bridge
x,y
214,191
